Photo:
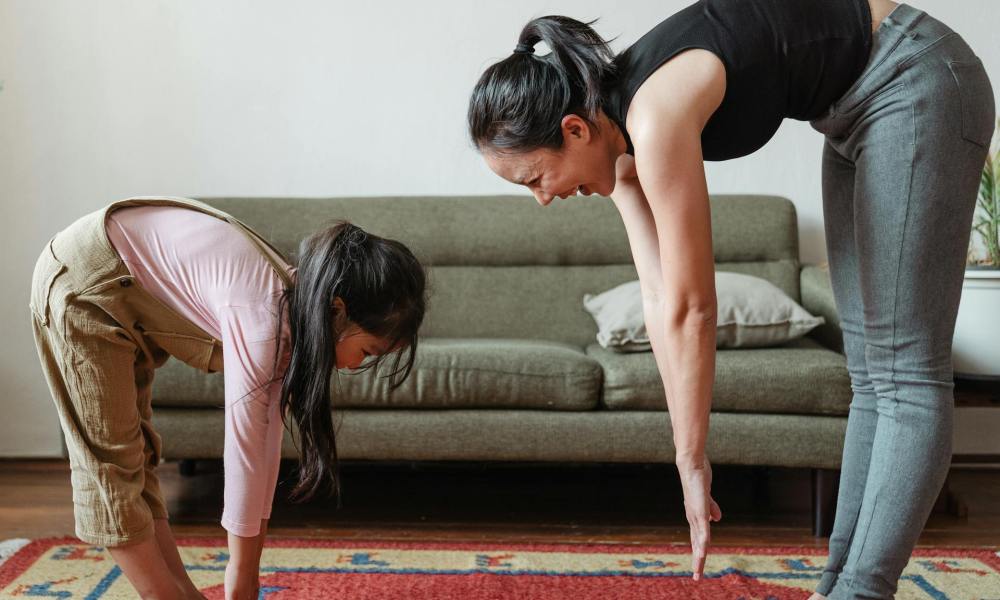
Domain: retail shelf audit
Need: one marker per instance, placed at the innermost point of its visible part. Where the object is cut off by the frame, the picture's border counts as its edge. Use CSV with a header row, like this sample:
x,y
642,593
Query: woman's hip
x,y
918,64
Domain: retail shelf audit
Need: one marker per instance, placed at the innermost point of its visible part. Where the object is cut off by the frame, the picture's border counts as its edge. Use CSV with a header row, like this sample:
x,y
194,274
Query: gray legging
x,y
904,150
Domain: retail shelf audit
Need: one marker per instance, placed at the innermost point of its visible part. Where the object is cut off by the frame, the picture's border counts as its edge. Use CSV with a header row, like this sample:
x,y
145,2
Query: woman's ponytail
x,y
579,53
519,102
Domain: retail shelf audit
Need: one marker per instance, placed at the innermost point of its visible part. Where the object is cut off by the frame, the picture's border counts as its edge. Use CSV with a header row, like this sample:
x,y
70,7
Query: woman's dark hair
x,y
518,103
382,285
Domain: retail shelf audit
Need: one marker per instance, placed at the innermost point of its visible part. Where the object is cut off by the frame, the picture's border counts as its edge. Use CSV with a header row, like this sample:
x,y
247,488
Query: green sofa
x,y
509,369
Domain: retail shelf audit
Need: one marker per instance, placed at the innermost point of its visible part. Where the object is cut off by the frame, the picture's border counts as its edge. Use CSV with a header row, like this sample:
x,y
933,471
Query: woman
x,y
123,288
907,111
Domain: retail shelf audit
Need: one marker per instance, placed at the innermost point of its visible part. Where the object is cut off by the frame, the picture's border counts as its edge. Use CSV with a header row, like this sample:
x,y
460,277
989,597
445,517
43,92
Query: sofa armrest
x,y
817,298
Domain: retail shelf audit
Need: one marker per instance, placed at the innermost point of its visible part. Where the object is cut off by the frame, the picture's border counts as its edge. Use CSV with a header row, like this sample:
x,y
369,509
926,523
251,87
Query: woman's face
x,y
585,163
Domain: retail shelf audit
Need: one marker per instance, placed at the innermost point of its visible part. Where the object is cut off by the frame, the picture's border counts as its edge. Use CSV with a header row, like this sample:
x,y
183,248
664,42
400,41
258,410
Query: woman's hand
x,y
241,584
700,508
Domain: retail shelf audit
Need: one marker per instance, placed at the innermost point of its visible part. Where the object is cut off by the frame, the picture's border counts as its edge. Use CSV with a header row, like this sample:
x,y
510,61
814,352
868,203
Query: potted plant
x,y
976,350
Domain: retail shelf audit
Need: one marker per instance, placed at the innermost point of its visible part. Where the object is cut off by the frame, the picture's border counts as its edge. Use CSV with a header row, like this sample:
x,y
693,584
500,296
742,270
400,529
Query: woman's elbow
x,y
691,313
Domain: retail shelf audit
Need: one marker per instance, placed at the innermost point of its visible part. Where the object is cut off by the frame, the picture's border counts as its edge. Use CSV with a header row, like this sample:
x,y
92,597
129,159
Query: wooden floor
x,y
502,502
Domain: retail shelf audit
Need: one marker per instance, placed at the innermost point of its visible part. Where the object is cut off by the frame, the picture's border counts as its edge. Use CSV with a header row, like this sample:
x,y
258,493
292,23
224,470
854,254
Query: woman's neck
x,y
612,132
880,10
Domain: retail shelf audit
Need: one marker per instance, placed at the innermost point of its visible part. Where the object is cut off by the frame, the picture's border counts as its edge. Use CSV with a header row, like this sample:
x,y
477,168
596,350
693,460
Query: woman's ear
x,y
339,315
574,127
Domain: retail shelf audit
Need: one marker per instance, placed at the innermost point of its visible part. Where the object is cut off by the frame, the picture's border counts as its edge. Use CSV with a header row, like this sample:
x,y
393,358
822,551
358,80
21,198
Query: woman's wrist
x,y
690,462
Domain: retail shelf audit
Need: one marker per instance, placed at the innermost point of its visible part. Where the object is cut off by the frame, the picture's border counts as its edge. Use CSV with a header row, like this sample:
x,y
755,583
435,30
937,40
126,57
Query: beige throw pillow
x,y
753,313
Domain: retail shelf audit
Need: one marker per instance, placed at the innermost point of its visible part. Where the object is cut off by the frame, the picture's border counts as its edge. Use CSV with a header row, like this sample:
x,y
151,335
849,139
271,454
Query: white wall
x,y
102,100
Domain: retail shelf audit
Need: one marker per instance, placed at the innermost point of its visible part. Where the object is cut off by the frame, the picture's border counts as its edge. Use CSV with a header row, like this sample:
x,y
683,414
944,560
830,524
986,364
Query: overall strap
x,y
269,252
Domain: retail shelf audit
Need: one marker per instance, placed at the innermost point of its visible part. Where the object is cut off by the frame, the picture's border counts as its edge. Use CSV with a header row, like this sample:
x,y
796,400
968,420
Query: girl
x,y
123,288
907,110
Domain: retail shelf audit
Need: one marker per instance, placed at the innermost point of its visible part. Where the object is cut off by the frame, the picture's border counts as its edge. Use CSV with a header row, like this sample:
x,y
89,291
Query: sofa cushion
x,y
447,373
753,313
801,377
503,267
515,231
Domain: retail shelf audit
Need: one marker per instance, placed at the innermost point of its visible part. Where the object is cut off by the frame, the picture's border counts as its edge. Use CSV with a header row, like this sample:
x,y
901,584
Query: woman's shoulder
x,y
689,87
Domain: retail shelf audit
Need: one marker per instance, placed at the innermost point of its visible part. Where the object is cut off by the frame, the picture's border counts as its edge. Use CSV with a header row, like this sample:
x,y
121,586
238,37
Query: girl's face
x,y
585,163
354,345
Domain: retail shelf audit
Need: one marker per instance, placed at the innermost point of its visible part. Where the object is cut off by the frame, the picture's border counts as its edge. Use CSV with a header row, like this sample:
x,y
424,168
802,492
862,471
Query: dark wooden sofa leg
x,y
188,467
825,485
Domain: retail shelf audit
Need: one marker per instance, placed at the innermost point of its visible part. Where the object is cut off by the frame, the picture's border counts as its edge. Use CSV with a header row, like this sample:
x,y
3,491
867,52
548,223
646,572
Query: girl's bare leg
x,y
168,548
145,568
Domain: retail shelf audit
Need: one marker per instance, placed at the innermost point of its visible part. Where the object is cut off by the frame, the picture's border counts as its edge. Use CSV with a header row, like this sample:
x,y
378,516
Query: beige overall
x,y
100,337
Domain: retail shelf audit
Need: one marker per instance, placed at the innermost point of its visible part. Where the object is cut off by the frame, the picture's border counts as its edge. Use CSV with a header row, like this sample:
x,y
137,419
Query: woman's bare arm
x,y
665,197
681,330
664,201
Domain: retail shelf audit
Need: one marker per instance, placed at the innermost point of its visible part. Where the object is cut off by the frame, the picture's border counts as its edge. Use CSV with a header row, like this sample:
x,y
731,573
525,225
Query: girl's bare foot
x,y
168,547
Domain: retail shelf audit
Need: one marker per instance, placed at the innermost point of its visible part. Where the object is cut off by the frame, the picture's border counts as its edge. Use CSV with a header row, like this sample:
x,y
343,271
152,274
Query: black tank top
x,y
783,58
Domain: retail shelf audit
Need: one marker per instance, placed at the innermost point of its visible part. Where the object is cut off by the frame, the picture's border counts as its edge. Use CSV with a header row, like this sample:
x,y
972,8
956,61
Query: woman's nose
x,y
543,198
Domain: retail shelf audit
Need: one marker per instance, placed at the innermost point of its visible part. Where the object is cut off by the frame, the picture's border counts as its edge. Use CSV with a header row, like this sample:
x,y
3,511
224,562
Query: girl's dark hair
x,y
518,103
382,285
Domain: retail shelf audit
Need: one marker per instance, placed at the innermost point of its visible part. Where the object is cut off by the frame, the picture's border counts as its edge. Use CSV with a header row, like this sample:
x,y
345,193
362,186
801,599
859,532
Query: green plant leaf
x,y
987,184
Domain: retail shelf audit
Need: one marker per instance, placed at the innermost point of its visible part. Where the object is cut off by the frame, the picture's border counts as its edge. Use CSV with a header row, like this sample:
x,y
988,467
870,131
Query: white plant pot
x,y
976,349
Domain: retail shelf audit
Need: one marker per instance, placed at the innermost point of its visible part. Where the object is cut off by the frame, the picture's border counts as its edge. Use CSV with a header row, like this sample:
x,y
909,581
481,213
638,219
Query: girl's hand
x,y
700,508
241,584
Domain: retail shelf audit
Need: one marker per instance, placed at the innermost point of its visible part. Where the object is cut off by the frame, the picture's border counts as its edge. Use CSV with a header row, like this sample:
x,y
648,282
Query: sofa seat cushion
x,y
447,373
800,377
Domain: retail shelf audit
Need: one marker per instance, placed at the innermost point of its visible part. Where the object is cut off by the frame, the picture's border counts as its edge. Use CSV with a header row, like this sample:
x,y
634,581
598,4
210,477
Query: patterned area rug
x,y
304,569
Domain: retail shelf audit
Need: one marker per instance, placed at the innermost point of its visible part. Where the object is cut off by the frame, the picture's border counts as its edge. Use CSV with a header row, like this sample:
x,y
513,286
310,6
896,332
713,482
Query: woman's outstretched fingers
x,y
700,508
716,511
700,538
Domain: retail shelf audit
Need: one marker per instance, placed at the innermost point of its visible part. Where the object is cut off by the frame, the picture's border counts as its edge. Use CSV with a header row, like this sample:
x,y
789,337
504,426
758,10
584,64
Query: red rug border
x,y
23,558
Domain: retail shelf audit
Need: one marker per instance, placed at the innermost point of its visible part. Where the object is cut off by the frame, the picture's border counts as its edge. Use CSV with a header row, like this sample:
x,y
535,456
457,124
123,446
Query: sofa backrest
x,y
504,267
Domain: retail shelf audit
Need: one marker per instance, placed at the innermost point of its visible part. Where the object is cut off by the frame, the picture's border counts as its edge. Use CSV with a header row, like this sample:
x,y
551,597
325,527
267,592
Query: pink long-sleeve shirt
x,y
209,272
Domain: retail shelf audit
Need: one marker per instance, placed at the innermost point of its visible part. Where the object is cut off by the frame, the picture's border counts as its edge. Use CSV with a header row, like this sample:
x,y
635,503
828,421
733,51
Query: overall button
x,y
125,282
